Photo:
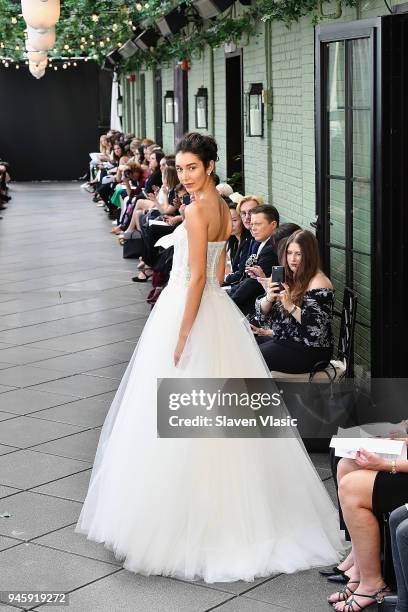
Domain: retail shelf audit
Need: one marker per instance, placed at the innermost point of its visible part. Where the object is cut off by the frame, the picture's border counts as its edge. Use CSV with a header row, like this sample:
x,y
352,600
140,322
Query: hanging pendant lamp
x,y
41,40
41,14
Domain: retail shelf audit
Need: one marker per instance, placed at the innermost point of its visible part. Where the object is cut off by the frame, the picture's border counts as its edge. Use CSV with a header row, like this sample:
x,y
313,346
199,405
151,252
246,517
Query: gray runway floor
x,y
69,320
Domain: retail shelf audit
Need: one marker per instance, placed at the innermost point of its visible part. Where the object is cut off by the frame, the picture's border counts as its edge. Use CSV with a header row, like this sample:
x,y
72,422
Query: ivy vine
x,y
93,28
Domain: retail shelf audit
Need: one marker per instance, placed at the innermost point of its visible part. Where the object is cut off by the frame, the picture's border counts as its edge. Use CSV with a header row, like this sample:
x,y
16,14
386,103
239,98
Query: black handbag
x,y
133,245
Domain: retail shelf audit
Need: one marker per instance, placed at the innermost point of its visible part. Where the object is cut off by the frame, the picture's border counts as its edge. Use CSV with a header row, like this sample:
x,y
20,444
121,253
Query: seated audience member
x,y
279,243
155,176
237,244
245,204
300,315
368,487
131,175
264,222
152,233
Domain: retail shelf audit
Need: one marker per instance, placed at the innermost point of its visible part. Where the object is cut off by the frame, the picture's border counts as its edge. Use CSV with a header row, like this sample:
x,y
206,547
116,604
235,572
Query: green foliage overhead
x,y
93,28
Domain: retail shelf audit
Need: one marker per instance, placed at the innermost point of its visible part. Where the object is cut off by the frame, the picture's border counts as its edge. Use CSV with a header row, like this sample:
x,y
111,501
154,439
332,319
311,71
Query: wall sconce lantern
x,y
120,106
201,108
255,110
169,114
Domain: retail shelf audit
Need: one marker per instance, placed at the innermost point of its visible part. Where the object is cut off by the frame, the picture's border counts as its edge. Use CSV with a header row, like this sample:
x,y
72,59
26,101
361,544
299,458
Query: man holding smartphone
x,y
264,222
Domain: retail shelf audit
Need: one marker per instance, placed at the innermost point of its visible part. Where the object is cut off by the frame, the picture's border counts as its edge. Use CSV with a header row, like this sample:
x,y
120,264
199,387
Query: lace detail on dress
x,y
181,272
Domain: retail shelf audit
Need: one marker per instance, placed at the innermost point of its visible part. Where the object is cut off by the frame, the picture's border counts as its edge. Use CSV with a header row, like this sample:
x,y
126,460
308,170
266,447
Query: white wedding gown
x,y
217,509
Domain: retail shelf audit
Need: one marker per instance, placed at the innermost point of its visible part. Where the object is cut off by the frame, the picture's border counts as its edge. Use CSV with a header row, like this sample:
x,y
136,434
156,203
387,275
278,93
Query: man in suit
x,y
264,221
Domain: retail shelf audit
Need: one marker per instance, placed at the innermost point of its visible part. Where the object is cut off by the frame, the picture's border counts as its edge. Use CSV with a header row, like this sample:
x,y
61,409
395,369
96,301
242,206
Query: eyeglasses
x,y
246,214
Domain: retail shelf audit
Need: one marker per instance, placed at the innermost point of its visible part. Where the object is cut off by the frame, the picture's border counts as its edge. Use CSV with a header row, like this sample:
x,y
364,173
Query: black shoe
x,y
333,571
338,579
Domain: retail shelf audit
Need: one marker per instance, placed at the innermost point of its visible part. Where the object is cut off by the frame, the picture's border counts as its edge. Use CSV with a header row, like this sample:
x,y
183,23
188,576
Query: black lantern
x,y
128,49
169,107
120,106
148,38
201,108
112,60
172,23
211,8
255,110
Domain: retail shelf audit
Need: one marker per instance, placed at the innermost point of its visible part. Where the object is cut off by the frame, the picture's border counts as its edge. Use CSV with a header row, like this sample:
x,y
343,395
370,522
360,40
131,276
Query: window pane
x,y
362,216
361,63
362,350
337,142
338,274
337,212
335,83
362,286
362,144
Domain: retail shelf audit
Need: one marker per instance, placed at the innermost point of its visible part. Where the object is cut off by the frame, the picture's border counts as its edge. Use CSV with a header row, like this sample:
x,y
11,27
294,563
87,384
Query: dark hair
x,y
279,237
118,144
204,147
141,153
215,178
159,155
308,267
270,212
179,187
231,205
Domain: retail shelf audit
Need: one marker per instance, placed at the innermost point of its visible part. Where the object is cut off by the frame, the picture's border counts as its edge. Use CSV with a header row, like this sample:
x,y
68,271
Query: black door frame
x,y
389,222
181,99
158,110
237,53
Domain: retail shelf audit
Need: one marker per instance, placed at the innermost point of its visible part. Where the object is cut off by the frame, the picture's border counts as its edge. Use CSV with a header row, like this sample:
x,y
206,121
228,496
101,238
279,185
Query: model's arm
x,y
197,244
221,266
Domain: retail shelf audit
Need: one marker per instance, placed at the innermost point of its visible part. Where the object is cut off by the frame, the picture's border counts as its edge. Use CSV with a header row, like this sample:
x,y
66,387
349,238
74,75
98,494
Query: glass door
x,y
345,175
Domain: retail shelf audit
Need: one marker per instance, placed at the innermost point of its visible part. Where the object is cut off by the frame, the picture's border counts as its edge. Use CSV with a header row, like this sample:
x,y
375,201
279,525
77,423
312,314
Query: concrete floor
x,y
69,320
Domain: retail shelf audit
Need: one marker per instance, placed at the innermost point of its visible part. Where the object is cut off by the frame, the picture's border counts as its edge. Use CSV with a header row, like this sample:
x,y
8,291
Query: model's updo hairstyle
x,y
204,147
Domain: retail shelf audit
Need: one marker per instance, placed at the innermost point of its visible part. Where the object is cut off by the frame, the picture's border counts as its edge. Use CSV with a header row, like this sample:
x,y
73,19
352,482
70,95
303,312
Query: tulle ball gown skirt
x,y
216,509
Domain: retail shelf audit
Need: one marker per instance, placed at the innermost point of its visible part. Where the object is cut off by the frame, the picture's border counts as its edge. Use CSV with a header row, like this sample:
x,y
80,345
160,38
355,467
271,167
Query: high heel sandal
x,y
377,598
148,274
344,594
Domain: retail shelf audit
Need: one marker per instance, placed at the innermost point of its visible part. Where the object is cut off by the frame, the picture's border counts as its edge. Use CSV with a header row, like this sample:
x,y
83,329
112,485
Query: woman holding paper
x,y
369,486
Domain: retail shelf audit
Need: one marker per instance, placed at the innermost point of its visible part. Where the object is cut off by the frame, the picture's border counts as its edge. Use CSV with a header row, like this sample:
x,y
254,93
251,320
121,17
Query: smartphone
x,y
278,276
144,193
186,199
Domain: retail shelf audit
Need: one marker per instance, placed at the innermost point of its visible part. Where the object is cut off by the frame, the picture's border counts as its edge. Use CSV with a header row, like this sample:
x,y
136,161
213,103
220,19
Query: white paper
x,y
154,222
389,449
165,241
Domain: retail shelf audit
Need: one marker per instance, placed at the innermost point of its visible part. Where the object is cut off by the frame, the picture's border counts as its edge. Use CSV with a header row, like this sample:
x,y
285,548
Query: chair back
x,y
347,325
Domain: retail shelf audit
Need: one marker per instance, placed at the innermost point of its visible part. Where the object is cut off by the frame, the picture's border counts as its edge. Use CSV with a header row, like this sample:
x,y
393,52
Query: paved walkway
x,y
69,321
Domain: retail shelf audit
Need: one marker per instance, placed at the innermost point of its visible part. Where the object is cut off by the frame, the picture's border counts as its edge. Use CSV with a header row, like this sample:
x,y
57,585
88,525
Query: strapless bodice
x,y
181,272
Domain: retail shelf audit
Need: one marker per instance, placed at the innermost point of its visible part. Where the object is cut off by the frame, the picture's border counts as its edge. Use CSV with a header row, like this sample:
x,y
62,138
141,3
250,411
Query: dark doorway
x,y
158,118
48,127
234,120
181,102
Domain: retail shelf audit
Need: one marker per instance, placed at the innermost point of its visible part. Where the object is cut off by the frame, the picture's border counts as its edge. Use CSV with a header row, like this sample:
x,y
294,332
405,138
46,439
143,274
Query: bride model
x,y
217,509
